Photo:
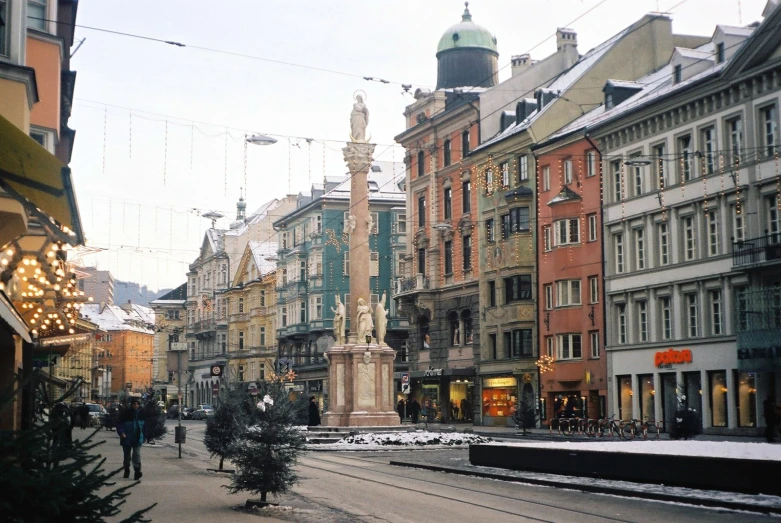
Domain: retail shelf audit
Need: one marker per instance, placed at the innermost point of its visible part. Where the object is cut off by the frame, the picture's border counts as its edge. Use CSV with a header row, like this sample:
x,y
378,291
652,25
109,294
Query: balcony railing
x,y
417,283
239,316
758,310
757,251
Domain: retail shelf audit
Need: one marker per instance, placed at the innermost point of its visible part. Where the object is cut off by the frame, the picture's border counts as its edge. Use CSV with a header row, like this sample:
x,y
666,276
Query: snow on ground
x,y
418,438
683,492
715,449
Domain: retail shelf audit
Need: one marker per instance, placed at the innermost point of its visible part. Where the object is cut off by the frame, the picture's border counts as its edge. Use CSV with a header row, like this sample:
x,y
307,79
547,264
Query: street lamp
x,y
260,139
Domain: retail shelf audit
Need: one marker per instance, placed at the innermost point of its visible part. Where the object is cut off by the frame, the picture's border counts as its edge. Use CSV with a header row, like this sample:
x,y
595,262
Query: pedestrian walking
x,y
84,413
400,408
771,418
314,412
414,409
131,436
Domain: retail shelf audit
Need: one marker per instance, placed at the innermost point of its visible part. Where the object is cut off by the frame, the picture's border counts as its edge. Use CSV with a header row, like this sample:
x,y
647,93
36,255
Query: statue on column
x,y
381,320
359,119
364,317
339,321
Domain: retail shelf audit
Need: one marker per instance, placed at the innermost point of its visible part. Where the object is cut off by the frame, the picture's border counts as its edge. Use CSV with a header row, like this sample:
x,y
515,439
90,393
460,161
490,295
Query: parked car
x,y
173,412
203,411
96,414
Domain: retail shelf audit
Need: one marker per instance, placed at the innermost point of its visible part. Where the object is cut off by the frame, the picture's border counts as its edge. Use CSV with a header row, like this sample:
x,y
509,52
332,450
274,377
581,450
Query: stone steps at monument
x,y
325,435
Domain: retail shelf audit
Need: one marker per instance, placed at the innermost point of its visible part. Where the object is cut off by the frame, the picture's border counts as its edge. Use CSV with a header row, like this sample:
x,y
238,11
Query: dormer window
x,y
720,52
677,74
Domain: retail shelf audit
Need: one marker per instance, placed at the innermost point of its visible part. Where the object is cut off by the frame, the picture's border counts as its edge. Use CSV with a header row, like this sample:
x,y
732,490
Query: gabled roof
x,y
261,252
178,294
764,41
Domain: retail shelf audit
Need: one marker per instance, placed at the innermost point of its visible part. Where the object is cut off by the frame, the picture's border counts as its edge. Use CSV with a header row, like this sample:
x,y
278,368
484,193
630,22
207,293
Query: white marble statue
x,y
381,320
365,322
370,223
359,119
350,225
339,326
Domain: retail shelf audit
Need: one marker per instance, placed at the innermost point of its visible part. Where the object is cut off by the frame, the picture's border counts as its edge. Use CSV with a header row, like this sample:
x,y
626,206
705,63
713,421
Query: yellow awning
x,y
38,179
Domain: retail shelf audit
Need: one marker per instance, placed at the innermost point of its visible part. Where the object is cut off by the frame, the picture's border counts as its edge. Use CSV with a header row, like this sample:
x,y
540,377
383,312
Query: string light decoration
x,y
778,179
661,188
105,128
738,207
49,299
130,135
545,363
623,190
704,184
682,162
165,153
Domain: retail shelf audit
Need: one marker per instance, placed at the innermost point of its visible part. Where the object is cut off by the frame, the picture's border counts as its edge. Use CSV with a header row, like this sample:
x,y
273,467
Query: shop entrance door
x,y
669,400
692,385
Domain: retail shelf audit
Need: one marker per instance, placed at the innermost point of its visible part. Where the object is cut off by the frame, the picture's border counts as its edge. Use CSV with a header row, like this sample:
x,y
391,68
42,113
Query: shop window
x,y
625,394
500,401
717,382
647,394
746,400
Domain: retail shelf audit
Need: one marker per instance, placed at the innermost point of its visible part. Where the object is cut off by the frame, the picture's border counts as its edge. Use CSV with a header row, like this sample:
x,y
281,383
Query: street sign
x,y
217,370
405,382
215,388
178,345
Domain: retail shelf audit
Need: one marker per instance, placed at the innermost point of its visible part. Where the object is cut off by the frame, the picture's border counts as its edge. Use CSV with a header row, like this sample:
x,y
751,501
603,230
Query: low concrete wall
x,y
732,475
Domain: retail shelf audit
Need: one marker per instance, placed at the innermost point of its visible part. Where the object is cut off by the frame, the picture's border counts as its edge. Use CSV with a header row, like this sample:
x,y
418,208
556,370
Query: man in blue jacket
x,y
131,435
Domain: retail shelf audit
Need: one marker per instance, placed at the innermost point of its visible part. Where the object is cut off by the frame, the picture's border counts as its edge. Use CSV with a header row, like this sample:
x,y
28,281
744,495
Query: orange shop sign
x,y
670,356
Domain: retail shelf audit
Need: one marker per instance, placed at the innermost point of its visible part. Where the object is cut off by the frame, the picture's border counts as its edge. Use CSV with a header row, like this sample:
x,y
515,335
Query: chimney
x,y
520,62
565,37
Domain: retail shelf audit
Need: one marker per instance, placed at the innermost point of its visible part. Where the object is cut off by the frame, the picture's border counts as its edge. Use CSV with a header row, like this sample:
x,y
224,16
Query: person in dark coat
x,y
771,419
414,409
130,428
84,413
400,408
314,412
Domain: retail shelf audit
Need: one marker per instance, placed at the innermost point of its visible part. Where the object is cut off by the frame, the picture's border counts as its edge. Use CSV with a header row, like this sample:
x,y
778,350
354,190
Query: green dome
x,y
466,34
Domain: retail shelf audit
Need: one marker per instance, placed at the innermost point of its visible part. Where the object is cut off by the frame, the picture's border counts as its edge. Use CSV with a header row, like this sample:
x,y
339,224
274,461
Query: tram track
x,y
405,479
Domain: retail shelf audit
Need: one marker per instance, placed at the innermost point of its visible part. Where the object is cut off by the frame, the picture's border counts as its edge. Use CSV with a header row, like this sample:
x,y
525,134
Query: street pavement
x,y
362,486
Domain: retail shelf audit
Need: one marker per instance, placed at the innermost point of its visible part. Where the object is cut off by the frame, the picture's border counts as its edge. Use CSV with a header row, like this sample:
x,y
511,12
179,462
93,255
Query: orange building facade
x,y
127,357
573,381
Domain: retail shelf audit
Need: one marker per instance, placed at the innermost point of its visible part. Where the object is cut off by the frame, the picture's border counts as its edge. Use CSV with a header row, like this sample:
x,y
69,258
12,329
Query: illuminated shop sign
x,y
489,383
669,357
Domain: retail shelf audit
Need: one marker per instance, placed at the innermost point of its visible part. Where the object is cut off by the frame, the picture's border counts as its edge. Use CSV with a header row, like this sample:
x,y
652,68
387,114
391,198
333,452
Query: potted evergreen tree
x,y
269,445
154,428
231,416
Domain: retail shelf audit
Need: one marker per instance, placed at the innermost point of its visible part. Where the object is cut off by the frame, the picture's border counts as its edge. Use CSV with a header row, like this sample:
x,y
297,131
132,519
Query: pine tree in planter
x,y
223,430
154,427
269,445
45,475
525,415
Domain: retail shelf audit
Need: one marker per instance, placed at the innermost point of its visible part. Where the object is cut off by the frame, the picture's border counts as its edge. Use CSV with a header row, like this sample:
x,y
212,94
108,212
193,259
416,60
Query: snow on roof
x,y
261,252
167,302
625,83
695,54
657,85
115,318
733,30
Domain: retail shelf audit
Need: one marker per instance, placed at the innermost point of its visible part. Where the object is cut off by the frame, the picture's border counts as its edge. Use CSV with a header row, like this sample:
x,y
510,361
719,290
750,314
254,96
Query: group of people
x,y
413,409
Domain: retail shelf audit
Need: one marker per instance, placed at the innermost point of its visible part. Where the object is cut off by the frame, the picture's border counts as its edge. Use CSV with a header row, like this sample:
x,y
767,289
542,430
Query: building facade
x,y
125,345
170,324
313,271
252,350
97,284
690,226
573,381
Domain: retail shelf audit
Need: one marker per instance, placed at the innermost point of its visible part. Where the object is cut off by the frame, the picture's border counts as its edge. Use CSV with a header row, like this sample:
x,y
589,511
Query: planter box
x,y
731,475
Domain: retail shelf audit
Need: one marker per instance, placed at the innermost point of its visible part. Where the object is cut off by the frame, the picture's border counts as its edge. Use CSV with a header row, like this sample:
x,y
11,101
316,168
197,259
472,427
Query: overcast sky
x,y
152,152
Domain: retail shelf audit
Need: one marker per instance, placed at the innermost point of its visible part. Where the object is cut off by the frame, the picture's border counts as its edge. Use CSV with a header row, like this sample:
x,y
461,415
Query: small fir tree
x,y
154,427
230,419
269,445
46,475
525,415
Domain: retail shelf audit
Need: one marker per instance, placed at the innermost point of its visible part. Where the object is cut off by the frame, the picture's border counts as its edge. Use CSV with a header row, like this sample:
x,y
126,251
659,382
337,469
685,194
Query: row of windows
x,y
516,343
447,202
634,325
568,293
466,255
447,153
698,236
567,170
569,346
692,159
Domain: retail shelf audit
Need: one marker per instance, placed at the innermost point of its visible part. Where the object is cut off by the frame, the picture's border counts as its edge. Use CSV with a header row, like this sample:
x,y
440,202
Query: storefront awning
x,y
38,179
9,314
